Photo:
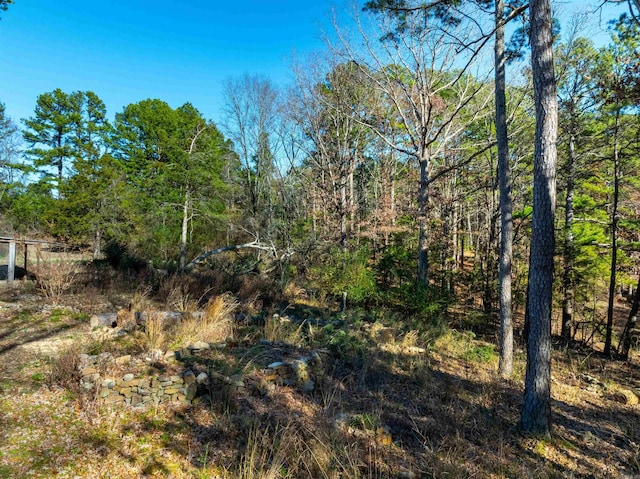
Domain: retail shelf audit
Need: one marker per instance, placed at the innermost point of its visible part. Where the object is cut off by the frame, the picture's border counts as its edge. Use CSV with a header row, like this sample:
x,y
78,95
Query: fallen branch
x,y
254,245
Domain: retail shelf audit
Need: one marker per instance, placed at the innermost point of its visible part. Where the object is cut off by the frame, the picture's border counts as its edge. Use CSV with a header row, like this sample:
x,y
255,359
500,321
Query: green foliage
x,y
345,271
171,159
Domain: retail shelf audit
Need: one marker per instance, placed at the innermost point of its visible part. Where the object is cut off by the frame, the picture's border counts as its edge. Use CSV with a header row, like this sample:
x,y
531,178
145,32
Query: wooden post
x,y
11,269
25,261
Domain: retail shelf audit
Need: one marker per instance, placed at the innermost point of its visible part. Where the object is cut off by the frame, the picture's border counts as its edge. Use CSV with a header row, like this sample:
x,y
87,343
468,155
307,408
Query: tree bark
x,y
185,227
506,208
423,245
614,234
625,339
536,409
568,249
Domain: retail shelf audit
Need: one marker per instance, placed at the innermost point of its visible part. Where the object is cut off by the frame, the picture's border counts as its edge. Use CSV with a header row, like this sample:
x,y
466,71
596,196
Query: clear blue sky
x,y
127,51
178,51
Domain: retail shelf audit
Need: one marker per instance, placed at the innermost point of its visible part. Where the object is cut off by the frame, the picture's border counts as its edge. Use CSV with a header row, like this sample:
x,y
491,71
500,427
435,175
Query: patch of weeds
x,y
481,353
80,316
57,315
364,422
463,345
38,378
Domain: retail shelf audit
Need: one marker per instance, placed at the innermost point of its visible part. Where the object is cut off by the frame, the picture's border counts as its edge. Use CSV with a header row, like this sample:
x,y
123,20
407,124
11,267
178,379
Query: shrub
x,y
345,271
63,369
56,278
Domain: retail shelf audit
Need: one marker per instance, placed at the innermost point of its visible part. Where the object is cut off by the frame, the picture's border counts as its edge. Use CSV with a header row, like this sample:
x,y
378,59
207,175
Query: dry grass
x,y
279,329
153,336
266,453
215,324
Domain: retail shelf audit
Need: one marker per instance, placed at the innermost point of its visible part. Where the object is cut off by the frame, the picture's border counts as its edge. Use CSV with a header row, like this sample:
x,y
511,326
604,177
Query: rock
x,y
308,386
190,391
128,377
188,377
108,383
202,378
123,359
104,319
105,357
89,371
275,365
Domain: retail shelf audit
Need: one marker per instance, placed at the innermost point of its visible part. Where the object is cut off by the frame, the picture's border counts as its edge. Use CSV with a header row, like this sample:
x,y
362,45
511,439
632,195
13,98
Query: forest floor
x,y
437,396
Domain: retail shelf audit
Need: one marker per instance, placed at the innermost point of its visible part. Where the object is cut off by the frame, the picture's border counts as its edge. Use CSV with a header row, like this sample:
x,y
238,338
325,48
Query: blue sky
x,y
178,51
127,51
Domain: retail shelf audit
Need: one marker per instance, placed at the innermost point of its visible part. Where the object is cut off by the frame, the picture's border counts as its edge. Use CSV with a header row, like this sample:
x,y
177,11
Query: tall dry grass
x,y
214,325
153,336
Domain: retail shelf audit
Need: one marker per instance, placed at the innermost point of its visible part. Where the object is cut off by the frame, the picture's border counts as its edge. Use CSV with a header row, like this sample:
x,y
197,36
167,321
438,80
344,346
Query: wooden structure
x,y
12,242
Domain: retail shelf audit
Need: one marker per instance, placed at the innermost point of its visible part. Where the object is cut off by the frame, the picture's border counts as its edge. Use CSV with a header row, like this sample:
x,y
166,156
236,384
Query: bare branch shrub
x,y
55,278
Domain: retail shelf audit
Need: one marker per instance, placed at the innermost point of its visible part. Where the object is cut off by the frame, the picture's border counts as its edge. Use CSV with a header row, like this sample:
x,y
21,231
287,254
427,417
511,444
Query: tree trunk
x,y
343,215
536,408
625,338
568,249
423,247
185,227
97,245
506,208
614,235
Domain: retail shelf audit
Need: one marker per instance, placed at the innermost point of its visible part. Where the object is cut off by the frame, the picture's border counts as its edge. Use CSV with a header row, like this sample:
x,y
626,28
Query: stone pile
x,y
186,385
135,389
295,373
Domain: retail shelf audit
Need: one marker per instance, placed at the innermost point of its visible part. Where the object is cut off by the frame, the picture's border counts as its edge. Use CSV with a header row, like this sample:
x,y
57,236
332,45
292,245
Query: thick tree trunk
x,y
568,249
423,246
614,236
536,409
625,339
506,208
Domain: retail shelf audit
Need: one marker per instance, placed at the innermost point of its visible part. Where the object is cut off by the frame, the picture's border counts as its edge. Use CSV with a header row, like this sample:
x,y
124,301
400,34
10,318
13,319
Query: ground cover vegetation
x,y
443,240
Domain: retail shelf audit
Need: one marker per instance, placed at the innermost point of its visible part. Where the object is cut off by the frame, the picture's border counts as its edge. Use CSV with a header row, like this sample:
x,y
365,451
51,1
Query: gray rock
x,y
104,319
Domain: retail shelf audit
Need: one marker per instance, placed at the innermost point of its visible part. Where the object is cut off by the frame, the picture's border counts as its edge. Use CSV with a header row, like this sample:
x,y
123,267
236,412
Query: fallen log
x,y
168,318
203,256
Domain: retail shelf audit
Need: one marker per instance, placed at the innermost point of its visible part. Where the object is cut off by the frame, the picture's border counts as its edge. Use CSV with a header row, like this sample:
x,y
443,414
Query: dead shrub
x,y
55,278
63,369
